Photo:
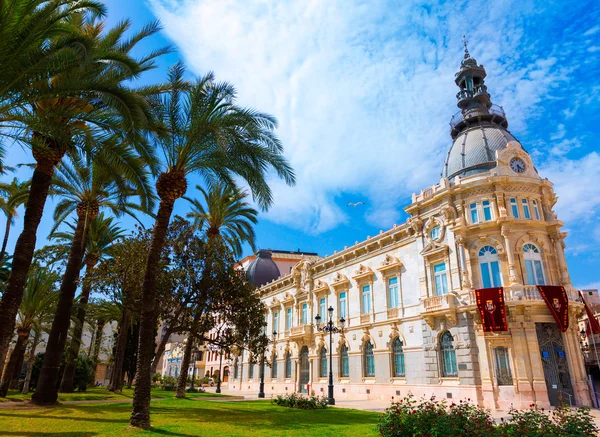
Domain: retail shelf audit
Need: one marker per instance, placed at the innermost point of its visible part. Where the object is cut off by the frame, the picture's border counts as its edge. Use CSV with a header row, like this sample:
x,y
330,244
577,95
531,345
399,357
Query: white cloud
x,y
363,91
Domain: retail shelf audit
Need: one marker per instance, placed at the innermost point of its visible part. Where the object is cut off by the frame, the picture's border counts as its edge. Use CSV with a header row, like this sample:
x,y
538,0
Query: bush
x,y
156,378
195,390
169,383
84,372
432,418
295,400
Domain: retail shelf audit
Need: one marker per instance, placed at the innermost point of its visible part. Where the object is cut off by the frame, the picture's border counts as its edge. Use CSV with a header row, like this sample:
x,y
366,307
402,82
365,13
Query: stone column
x,y
466,282
576,364
557,239
512,273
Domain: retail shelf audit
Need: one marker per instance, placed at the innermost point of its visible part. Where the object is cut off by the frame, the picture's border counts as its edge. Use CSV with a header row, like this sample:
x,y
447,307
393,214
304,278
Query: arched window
x,y
503,373
235,369
323,363
398,358
489,264
288,365
250,370
274,366
344,362
369,360
448,356
533,265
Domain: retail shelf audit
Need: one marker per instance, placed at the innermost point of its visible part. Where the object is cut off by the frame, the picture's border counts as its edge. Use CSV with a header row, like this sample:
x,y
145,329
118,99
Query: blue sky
x,y
364,92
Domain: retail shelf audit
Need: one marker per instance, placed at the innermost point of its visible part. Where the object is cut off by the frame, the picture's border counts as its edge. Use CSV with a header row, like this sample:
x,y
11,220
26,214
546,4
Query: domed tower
x,y
263,269
479,129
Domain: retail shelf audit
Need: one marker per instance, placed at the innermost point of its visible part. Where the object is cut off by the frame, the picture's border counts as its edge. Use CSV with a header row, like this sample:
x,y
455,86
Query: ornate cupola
x,y
479,129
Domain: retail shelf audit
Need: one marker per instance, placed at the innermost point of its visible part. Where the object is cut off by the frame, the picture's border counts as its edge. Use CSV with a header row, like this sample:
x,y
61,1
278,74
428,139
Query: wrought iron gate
x,y
556,367
304,370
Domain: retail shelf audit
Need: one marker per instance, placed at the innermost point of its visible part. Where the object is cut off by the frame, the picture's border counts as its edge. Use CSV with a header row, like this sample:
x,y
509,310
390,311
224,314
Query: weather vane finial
x,y
467,55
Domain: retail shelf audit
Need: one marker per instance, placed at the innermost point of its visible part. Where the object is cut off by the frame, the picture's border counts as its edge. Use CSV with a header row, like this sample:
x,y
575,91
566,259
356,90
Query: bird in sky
x,y
355,204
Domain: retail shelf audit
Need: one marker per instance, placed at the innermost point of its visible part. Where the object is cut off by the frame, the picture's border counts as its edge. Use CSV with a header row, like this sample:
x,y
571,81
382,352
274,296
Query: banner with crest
x,y
490,302
557,302
593,326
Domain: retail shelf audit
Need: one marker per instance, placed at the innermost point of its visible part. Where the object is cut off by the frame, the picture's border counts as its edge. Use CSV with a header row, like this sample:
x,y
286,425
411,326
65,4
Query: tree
x,y
103,233
39,301
226,215
15,194
209,135
65,111
104,312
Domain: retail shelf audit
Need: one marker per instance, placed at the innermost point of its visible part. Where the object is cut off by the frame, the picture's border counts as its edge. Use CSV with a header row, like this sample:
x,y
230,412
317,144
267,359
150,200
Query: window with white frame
x,y
526,212
487,210
343,304
514,207
304,313
489,265
536,211
393,294
440,277
366,299
288,319
534,269
323,309
474,213
276,321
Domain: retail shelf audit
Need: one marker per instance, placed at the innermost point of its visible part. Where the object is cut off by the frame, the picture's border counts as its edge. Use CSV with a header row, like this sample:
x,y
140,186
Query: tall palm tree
x,y
103,233
225,214
208,135
87,183
78,107
14,194
39,300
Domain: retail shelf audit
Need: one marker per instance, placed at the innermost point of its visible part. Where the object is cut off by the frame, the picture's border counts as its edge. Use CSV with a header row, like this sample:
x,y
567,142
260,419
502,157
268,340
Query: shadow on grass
x,y
62,434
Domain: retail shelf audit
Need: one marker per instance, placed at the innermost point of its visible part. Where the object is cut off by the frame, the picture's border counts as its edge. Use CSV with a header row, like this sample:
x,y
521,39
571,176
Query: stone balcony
x,y
440,306
302,331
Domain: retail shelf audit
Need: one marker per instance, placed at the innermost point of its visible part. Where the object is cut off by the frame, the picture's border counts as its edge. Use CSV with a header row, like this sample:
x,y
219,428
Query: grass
x,y
188,417
100,394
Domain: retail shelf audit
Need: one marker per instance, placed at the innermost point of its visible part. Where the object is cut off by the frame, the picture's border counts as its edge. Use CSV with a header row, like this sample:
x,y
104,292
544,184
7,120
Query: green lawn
x,y
101,393
188,417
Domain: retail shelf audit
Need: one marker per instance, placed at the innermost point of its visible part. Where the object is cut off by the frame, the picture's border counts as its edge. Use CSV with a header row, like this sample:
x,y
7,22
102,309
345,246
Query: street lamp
x,y
195,353
218,390
261,386
331,328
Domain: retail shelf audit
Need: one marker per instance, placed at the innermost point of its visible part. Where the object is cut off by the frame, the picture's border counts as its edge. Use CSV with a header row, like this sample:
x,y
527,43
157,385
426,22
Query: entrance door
x,y
554,360
304,370
226,374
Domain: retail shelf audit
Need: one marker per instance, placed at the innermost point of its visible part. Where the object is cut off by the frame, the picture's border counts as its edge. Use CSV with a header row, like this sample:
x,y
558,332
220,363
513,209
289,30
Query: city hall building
x,y
408,295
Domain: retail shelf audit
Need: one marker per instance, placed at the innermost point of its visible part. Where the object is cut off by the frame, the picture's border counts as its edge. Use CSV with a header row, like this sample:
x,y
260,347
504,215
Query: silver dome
x,y
474,149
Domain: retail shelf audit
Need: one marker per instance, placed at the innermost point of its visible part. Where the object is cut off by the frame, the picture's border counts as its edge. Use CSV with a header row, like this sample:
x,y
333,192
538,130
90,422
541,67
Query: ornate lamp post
x,y
331,328
261,386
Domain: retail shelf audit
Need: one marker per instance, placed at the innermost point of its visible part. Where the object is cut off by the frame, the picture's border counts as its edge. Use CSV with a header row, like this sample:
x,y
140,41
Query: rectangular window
x,y
487,210
288,319
514,207
276,321
536,211
323,309
503,374
393,292
526,212
366,299
534,271
441,279
343,305
304,313
250,371
474,214
490,274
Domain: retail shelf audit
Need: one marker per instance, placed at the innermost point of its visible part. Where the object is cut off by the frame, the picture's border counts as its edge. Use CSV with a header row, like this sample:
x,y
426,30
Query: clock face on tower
x,y
517,165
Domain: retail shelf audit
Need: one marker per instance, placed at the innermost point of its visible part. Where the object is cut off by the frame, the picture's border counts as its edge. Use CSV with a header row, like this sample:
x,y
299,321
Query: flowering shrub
x,y
295,400
169,383
432,418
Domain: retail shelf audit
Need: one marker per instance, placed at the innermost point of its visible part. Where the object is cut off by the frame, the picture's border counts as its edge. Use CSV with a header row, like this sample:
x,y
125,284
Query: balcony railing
x,y
301,330
458,117
531,292
438,303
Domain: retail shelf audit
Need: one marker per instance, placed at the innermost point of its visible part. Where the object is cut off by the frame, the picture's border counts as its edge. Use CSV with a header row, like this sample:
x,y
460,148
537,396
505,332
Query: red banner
x,y
592,326
490,302
558,304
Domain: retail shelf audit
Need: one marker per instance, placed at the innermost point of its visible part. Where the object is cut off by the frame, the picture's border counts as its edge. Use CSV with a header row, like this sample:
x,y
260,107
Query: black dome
x,y
263,269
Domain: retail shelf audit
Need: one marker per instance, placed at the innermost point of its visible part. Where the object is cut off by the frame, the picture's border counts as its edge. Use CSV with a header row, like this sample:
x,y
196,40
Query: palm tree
x,y
103,233
39,301
15,194
226,215
208,135
87,183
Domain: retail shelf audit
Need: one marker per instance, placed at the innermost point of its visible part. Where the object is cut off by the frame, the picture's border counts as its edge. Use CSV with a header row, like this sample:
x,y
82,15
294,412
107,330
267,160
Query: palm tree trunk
x,y
98,343
66,385
185,364
116,382
36,340
13,294
161,350
140,416
14,382
13,362
47,387
5,241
